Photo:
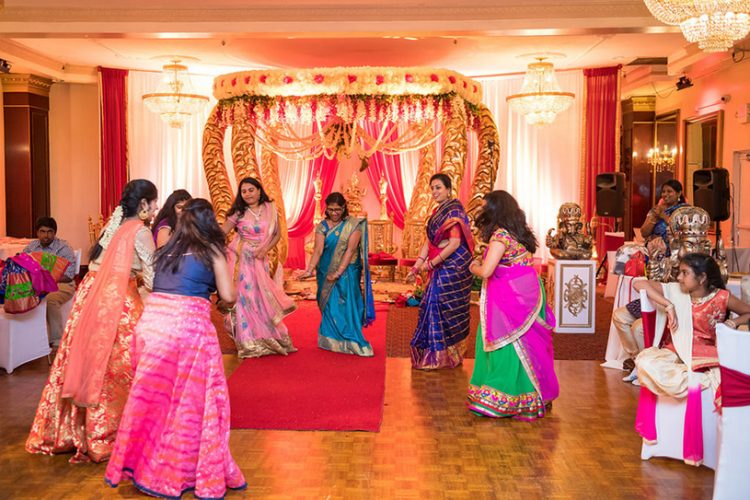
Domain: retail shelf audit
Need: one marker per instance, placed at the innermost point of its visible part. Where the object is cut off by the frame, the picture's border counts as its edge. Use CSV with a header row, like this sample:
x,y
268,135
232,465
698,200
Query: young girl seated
x,y
693,307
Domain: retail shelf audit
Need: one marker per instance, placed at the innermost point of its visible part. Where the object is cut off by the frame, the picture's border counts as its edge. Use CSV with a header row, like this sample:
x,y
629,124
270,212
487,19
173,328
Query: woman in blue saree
x,y
340,260
657,220
439,341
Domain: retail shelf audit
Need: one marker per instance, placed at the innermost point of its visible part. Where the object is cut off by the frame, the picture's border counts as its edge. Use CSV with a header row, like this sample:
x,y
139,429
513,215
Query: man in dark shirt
x,y
48,242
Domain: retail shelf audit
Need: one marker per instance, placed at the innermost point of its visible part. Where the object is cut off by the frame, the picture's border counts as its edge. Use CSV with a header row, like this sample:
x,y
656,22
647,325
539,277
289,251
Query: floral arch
x,y
264,106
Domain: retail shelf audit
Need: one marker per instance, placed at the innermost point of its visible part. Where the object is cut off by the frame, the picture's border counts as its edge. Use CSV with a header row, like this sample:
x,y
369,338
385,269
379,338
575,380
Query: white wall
x,y
74,160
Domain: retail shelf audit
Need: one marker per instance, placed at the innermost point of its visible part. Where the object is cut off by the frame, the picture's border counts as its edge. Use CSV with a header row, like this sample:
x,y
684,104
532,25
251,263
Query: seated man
x,y
46,231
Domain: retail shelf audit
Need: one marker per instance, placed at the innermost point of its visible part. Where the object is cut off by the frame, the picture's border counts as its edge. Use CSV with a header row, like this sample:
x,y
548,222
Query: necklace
x,y
256,226
704,299
332,228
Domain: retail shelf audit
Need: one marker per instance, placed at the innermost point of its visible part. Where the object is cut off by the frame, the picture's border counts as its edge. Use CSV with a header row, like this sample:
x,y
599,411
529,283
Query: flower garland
x,y
350,81
114,223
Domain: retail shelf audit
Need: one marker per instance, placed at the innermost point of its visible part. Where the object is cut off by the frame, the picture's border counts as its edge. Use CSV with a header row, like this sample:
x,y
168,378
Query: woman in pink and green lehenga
x,y
514,372
261,304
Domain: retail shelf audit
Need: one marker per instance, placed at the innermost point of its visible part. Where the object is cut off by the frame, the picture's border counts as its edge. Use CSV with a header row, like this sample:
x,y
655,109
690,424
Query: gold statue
x,y
570,242
318,185
383,197
354,194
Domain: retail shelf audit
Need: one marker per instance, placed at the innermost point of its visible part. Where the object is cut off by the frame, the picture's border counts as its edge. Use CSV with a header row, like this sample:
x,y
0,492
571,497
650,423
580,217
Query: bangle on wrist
x,y
420,258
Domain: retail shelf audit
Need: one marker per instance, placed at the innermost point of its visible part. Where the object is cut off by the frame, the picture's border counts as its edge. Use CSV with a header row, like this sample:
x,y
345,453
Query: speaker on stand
x,y
610,201
711,193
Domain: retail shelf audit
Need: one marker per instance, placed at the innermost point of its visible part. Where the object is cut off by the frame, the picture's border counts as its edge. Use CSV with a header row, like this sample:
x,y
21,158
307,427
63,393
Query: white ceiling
x,y
67,39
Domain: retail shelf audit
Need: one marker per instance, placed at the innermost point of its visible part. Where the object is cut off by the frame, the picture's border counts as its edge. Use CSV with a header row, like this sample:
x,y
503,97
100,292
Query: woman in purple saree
x,y
439,340
514,372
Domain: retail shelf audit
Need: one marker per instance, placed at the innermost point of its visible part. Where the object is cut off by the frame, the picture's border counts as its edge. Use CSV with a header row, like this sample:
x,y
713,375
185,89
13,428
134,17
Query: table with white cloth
x,y
624,294
10,246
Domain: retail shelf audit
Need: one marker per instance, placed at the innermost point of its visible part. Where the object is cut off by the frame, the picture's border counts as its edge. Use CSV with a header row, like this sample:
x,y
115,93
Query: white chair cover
x,y
23,337
732,479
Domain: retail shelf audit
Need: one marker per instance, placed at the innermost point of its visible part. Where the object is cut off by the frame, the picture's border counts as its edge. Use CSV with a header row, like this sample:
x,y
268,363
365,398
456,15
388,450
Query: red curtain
x,y
304,224
601,137
390,165
113,98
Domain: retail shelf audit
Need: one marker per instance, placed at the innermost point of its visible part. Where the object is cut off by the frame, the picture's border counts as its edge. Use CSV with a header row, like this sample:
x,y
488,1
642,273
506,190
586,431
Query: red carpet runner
x,y
312,389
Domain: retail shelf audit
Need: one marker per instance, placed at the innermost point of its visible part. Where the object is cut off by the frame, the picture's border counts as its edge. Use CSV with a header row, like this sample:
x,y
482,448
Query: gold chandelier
x,y
662,160
174,99
541,98
715,24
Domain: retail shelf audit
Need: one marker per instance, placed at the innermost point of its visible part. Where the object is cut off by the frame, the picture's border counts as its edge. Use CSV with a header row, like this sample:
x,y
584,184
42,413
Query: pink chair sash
x,y
735,388
645,417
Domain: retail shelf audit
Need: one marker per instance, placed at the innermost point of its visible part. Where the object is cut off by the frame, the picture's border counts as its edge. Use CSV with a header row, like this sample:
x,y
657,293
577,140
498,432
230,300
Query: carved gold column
x,y
214,166
454,147
269,173
419,206
243,150
487,164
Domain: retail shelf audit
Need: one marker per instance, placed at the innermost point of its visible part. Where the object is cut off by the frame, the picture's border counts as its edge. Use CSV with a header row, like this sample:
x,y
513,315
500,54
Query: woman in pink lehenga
x,y
90,378
174,433
262,304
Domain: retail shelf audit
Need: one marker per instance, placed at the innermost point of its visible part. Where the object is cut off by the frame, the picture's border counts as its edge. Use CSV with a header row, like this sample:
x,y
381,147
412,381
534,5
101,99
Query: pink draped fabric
x,y
645,417
304,223
735,388
390,165
114,146
601,137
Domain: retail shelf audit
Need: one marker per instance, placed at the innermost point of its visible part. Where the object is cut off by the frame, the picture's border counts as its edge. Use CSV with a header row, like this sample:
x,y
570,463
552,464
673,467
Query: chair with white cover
x,y
66,308
732,480
670,415
23,337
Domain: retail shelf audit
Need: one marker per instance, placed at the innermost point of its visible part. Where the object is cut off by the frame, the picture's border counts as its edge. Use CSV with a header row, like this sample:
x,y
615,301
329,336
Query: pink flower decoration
x,y
247,80
263,78
409,78
452,79
222,83
379,79
475,89
319,78
465,85
433,77
288,79
352,78
234,82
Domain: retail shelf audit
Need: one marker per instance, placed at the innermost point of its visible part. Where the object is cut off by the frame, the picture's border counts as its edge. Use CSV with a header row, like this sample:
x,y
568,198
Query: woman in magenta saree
x,y
514,372
439,340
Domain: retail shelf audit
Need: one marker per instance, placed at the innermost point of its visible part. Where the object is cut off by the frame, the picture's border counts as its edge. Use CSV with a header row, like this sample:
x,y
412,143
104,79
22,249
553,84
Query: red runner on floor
x,y
312,389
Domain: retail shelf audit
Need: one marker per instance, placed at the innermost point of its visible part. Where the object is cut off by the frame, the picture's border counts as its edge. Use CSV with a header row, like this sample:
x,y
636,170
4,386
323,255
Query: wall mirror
x,y
702,146
664,157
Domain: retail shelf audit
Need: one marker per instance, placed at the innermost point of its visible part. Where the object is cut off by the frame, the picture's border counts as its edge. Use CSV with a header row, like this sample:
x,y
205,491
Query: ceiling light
x,y
541,98
174,99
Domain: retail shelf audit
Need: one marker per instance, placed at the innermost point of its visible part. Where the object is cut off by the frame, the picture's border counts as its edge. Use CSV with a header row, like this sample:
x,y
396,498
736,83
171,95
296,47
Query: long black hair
x,y
702,263
130,201
239,205
168,210
338,199
677,186
501,210
197,232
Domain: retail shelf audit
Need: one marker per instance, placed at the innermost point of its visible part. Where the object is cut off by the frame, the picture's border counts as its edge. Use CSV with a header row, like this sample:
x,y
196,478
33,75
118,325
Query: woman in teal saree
x,y
340,261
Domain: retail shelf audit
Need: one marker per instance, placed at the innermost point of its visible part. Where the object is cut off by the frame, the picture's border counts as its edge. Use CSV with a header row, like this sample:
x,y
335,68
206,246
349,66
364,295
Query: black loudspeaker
x,y
610,194
711,192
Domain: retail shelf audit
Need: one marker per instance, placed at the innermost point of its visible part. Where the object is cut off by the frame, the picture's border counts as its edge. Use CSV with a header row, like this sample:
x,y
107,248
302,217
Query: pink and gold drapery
x,y
113,97
389,166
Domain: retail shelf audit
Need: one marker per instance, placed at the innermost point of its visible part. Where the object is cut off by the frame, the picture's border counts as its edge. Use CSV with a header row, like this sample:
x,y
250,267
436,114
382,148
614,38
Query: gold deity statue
x,y
383,197
571,241
354,194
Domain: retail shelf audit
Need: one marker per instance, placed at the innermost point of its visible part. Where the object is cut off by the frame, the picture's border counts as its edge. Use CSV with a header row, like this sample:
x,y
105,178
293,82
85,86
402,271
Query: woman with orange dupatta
x,y
262,304
90,378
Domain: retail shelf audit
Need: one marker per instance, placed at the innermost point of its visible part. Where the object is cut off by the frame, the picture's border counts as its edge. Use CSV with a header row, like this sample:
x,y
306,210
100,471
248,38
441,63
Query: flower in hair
x,y
114,222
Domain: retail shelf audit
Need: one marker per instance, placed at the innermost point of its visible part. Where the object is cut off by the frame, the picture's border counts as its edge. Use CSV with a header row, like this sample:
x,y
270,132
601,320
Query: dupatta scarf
x,y
444,217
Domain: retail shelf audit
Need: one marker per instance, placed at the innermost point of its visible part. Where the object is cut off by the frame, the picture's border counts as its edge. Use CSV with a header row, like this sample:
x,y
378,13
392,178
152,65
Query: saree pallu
x,y
174,433
514,368
345,306
59,425
261,304
439,340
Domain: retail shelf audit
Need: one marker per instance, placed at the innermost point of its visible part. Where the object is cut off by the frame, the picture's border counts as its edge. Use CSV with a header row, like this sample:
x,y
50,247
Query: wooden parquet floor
x,y
429,447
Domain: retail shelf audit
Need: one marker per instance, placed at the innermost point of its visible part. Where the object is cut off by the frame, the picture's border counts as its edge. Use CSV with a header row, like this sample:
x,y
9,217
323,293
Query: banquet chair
x,y
23,337
670,412
66,308
95,228
732,480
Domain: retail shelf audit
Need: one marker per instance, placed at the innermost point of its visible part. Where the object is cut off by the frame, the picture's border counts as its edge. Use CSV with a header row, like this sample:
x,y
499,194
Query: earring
x,y
143,214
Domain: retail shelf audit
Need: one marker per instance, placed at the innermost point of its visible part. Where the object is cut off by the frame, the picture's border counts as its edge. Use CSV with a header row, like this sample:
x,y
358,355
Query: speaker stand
x,y
715,251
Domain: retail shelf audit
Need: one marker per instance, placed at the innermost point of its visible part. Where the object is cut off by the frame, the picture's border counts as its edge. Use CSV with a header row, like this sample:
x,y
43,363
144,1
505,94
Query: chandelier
x,y
174,99
540,99
662,160
714,24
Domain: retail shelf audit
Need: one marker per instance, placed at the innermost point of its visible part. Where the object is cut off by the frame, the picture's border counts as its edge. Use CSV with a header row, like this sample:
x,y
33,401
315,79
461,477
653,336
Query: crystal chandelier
x,y
540,99
174,99
714,24
662,160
